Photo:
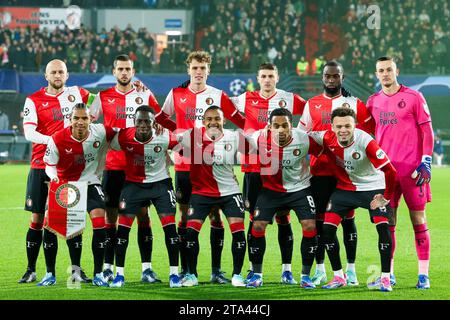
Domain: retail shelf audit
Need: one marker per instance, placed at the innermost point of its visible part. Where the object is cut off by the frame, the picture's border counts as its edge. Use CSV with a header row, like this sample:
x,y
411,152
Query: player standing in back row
x,y
403,119
257,106
189,104
317,117
118,105
45,112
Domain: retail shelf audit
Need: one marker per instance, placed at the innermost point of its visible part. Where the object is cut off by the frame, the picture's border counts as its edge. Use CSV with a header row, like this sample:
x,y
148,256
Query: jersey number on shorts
x,y
311,201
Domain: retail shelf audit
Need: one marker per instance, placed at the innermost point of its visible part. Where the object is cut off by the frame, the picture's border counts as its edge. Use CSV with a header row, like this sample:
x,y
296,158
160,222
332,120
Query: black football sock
x,y
257,248
145,241
320,252
120,249
172,243
182,246
75,246
98,249
111,235
216,240
331,244
308,249
384,246
192,250
238,248
50,244
33,243
350,238
286,242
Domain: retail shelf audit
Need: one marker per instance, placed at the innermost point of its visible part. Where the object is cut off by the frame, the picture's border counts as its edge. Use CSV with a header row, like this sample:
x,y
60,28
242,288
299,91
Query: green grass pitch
x,y
15,221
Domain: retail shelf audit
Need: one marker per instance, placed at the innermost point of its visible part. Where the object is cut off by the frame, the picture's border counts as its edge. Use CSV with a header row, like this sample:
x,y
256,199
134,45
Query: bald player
x,y
46,111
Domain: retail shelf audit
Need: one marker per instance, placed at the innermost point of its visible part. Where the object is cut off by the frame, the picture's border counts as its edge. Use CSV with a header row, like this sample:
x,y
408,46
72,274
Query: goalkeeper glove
x,y
423,172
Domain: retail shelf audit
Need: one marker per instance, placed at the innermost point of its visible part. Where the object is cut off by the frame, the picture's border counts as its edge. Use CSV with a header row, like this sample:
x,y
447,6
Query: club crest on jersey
x,y
157,149
296,152
139,100
356,155
122,205
345,105
209,101
67,195
401,104
282,103
71,98
380,154
96,144
227,146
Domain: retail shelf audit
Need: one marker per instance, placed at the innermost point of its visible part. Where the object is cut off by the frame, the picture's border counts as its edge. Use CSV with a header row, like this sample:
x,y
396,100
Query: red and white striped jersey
x,y
284,169
357,166
212,161
257,110
189,107
317,117
79,160
146,161
118,111
50,113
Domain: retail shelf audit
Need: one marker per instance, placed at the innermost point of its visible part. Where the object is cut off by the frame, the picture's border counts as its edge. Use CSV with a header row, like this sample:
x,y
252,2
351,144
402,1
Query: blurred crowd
x,y
241,34
416,32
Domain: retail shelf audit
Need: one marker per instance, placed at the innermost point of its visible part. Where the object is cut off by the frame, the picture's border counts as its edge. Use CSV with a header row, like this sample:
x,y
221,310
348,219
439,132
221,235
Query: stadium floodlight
x,y
173,33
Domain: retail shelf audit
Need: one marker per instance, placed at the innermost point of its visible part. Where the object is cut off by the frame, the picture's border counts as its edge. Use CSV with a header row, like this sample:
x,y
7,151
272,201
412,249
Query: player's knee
x,y
37,218
417,216
259,226
111,215
308,225
283,218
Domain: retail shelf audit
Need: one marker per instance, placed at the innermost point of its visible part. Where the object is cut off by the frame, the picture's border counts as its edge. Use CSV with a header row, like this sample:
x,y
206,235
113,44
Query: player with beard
x,y
317,117
117,105
45,112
